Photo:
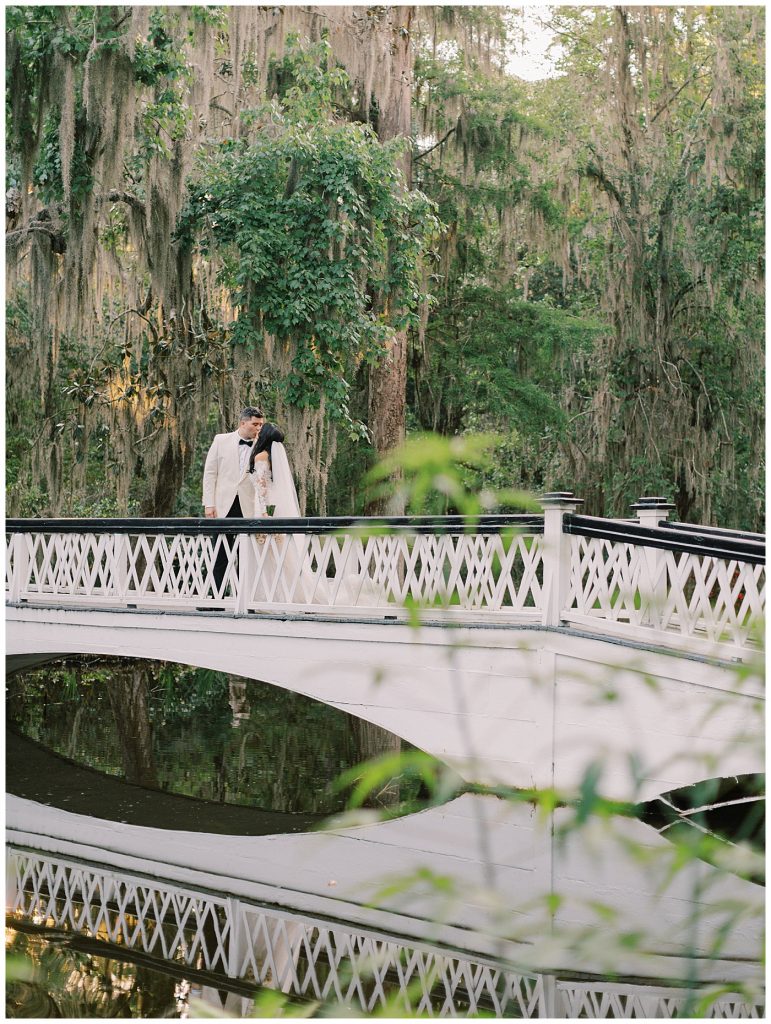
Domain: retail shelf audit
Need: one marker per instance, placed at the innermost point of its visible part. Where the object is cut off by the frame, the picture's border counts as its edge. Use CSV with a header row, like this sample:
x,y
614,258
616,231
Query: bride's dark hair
x,y
268,434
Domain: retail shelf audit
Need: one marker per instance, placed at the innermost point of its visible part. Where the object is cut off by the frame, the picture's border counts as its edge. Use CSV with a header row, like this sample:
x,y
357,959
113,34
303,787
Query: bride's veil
x,y
293,556
282,493
305,585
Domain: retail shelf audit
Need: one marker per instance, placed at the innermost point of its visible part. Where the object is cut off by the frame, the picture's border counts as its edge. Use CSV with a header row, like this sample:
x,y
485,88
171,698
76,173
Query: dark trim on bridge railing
x,y
709,541
717,531
483,524
707,544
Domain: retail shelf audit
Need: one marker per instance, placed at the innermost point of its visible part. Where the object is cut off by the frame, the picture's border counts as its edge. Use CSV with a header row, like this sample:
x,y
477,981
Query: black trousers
x,y
229,541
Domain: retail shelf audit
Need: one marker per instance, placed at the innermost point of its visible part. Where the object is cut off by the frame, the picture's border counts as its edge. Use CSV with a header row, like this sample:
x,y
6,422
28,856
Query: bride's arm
x,y
260,481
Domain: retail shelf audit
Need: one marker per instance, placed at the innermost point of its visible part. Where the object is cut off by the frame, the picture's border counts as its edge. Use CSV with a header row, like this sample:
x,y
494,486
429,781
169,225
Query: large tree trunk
x,y
388,381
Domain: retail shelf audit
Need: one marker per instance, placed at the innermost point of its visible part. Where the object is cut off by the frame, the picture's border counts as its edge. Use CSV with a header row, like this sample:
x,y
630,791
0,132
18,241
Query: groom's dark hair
x,y
250,411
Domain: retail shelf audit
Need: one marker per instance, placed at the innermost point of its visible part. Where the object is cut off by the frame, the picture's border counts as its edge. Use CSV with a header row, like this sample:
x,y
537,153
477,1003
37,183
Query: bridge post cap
x,y
560,499
652,502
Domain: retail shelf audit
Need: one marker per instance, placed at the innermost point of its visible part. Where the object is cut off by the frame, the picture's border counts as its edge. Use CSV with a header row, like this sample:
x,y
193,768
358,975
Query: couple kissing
x,y
247,471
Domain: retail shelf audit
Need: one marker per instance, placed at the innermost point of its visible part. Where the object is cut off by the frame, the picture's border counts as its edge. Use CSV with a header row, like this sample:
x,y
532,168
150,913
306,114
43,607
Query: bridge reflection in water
x,y
528,922
223,939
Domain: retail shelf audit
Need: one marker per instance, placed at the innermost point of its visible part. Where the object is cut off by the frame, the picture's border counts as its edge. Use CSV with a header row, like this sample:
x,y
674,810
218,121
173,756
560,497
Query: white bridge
x,y
518,649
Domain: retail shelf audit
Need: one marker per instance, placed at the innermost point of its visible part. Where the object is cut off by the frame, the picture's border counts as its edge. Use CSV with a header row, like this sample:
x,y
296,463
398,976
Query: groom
x,y
225,467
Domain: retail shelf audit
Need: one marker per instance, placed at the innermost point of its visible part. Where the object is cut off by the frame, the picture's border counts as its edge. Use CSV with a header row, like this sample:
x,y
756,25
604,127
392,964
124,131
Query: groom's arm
x,y
210,481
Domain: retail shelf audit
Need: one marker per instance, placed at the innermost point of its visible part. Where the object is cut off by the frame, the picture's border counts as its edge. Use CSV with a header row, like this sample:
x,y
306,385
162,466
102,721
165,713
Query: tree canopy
x,y
361,219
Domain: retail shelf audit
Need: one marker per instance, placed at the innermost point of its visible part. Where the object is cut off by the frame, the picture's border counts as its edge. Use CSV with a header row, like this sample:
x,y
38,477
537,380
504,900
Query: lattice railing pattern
x,y
576,1000
473,572
170,923
126,567
613,576
488,572
327,963
699,596
9,561
312,959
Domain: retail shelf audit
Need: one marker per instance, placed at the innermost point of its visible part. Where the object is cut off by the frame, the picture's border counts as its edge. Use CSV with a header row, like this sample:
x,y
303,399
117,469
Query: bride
x,y
271,476
285,574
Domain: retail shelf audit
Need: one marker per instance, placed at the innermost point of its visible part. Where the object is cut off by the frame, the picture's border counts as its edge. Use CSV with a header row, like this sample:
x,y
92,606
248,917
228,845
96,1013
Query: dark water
x,y
166,729
60,977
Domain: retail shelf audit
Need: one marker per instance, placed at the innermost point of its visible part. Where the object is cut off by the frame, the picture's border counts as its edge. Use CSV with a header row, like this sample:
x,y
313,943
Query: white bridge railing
x,y
236,940
644,579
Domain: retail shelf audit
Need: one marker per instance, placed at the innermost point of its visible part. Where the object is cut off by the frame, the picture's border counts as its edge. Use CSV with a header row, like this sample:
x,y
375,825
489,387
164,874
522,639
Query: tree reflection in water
x,y
128,690
71,983
202,734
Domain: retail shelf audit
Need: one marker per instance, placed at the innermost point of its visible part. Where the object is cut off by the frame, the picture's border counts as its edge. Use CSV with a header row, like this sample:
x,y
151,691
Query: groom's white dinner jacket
x,y
222,480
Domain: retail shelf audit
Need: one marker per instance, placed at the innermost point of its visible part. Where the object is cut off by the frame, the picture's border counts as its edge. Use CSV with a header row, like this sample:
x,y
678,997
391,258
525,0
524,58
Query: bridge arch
x,y
526,706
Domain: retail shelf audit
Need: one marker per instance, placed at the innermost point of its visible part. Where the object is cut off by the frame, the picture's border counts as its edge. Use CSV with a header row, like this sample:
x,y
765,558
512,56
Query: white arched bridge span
x,y
518,649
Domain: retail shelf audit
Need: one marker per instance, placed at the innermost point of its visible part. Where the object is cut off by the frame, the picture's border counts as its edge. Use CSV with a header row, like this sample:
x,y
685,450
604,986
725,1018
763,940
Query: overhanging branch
x,y
436,145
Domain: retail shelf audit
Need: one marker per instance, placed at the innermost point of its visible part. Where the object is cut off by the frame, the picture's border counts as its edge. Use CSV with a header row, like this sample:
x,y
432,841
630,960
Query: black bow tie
x,y
241,441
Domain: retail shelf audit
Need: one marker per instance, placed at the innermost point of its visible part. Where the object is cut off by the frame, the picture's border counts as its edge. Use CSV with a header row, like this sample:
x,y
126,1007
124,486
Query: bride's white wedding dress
x,y
285,573
274,485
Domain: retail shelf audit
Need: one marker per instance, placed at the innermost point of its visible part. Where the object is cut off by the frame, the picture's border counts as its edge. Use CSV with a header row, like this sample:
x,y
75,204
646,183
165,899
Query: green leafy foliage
x,y
652,242
496,362
160,63
663,235
439,475
312,223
